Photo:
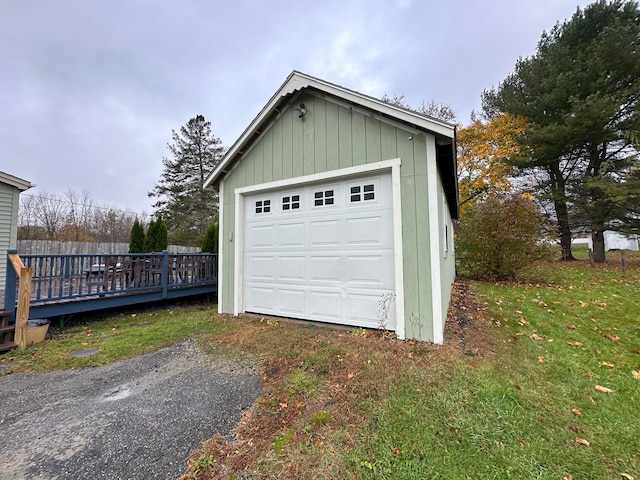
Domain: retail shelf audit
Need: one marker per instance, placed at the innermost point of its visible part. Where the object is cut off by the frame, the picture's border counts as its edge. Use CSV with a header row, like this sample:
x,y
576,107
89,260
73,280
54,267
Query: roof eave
x,y
16,182
297,81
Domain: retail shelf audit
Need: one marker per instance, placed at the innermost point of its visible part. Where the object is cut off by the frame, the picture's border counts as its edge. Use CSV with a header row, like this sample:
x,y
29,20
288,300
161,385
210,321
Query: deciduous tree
x,y
484,148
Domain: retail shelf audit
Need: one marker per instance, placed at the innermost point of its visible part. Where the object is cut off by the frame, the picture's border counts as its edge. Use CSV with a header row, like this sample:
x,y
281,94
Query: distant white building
x,y
614,241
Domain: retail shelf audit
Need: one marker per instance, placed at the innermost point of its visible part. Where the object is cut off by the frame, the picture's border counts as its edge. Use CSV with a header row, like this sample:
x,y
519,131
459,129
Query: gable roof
x,y
298,81
14,181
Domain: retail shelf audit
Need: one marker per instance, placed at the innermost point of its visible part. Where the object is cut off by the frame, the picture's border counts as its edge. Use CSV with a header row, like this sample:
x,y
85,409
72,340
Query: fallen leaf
x,y
582,441
575,344
587,375
592,401
133,315
583,304
602,389
535,336
518,387
283,405
571,327
576,412
395,451
613,338
541,360
541,304
574,428
89,333
523,442
523,321
607,364
636,374
300,405
626,476
567,477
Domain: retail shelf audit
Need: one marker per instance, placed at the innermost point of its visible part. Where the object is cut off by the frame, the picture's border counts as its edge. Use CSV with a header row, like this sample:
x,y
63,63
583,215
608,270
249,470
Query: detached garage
x,y
337,207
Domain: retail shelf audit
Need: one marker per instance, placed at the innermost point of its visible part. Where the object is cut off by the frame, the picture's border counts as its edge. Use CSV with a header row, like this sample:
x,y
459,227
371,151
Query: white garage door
x,y
322,252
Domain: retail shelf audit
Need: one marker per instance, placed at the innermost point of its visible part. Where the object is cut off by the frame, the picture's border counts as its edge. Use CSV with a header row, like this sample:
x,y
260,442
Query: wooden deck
x,y
64,284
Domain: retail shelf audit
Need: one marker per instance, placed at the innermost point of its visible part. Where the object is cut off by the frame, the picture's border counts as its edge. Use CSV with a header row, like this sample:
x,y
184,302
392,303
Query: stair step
x,y
7,328
6,346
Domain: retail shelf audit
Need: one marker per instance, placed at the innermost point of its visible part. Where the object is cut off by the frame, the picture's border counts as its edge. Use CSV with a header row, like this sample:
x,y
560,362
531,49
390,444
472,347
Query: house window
x,y
291,202
324,197
363,193
263,206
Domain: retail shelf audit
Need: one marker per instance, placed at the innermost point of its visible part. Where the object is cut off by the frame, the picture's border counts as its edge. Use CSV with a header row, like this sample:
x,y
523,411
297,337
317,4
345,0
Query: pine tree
x,y
210,241
150,238
136,240
162,239
182,202
580,94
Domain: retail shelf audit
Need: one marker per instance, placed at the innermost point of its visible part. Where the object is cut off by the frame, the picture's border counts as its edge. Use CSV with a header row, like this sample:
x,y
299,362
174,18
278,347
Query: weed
x,y
282,440
359,332
302,382
320,418
202,464
384,307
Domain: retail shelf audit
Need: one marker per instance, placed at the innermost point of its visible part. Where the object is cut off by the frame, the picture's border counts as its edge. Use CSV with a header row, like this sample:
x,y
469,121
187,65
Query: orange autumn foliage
x,y
483,150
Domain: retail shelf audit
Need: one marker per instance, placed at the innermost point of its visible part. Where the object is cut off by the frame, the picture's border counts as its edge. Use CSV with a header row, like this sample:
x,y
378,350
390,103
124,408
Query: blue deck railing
x,y
76,279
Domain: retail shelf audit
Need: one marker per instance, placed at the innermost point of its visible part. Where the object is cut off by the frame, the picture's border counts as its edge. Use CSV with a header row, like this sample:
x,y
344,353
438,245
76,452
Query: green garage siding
x,y
333,136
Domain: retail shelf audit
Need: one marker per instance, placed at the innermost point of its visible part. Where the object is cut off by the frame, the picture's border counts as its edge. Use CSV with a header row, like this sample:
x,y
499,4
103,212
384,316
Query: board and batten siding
x,y
9,196
333,136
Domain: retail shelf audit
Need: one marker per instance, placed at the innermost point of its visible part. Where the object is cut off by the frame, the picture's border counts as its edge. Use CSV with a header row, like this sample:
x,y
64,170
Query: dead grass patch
x,y
319,384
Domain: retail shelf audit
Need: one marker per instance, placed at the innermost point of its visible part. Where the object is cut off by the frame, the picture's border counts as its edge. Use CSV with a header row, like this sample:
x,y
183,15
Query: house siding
x,y
9,196
333,136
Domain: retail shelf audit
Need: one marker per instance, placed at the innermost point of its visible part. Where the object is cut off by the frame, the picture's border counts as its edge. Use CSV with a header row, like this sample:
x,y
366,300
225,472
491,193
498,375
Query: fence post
x,y
164,275
11,282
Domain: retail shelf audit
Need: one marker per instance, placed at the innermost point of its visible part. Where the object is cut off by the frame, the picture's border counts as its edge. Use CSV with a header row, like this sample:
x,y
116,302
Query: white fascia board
x,y
16,182
298,81
431,125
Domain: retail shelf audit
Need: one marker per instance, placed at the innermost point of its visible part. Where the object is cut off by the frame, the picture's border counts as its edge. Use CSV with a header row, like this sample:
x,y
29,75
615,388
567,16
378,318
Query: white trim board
x,y
393,165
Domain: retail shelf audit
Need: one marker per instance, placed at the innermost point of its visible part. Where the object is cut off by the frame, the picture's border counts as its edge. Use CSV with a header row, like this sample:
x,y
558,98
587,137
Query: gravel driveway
x,y
134,419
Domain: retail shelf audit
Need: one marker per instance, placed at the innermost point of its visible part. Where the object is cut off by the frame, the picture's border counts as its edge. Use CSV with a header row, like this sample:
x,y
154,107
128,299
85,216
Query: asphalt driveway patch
x,y
134,419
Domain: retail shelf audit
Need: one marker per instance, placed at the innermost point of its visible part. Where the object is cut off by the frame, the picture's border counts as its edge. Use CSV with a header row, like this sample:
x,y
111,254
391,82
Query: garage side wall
x,y
330,137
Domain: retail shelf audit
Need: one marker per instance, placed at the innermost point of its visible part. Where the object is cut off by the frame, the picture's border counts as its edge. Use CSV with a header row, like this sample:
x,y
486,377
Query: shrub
x,y
499,237
136,240
210,241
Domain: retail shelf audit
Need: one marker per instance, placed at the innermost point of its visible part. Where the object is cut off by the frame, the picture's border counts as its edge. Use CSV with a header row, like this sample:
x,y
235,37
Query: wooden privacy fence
x,y
54,247
62,284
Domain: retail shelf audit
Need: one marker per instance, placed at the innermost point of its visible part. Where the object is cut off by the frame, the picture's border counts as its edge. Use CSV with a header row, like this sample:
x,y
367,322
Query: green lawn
x,y
519,390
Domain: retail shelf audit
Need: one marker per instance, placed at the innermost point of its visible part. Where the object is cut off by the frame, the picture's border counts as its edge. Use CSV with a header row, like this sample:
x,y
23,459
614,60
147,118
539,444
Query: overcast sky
x,y
90,90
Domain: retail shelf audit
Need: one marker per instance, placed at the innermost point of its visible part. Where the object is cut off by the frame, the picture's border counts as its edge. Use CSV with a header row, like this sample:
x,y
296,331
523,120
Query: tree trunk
x,y
597,238
563,229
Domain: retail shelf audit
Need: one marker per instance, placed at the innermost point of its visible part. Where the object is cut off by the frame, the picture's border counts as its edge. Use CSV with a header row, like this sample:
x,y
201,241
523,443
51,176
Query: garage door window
x,y
324,197
263,206
291,202
363,193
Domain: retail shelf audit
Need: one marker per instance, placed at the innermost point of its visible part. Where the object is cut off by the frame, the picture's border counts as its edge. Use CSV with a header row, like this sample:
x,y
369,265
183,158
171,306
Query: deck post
x,y
164,274
24,297
11,283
